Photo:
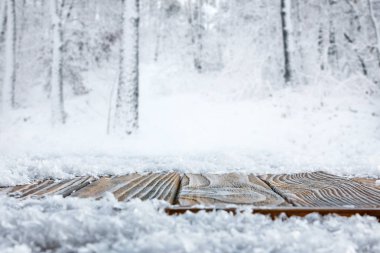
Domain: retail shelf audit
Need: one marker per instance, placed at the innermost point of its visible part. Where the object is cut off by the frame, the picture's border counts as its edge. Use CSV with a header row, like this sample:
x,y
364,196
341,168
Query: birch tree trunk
x,y
9,84
56,82
126,113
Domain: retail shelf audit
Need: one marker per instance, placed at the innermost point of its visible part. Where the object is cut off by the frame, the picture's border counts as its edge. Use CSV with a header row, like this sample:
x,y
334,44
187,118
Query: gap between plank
x,y
81,187
277,191
179,186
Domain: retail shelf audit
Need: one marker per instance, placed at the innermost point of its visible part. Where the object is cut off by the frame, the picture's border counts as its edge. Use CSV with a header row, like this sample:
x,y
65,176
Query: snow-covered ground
x,y
189,123
71,225
209,126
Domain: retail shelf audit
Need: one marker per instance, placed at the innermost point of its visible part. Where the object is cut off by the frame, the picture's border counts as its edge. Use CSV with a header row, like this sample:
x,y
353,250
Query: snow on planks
x,y
150,186
314,191
51,187
320,189
233,188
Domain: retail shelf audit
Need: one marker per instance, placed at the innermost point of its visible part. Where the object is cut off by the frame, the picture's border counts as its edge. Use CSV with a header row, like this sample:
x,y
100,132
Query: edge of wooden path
x,y
276,212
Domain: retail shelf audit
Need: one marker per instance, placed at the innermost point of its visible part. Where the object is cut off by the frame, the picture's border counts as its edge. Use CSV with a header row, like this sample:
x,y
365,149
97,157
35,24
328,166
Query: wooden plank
x,y
98,188
150,186
372,182
320,189
20,190
50,187
65,187
278,211
232,188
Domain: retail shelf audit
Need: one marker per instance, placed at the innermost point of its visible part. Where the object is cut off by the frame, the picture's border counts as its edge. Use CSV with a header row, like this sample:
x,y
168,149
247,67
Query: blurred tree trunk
x,y
199,33
127,114
286,34
376,28
2,17
333,47
56,82
195,21
9,84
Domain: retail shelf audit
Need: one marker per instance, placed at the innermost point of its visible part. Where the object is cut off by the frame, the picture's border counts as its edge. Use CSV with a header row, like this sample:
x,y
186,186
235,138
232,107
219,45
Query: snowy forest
x,y
49,47
170,76
189,126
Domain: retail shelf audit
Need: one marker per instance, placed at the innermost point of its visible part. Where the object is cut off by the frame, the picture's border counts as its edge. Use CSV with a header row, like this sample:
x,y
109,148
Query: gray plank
x,y
232,188
320,189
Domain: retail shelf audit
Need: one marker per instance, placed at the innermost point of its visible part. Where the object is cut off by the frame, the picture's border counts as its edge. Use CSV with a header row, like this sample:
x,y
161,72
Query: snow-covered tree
x,y
9,83
197,27
127,104
56,83
53,54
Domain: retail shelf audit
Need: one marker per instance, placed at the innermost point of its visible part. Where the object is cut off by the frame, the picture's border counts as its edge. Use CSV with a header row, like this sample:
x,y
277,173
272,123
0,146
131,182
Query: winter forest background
x,y
222,84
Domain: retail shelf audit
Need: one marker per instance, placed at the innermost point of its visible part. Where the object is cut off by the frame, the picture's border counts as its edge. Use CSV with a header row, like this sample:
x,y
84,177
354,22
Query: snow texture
x,y
82,225
237,115
328,127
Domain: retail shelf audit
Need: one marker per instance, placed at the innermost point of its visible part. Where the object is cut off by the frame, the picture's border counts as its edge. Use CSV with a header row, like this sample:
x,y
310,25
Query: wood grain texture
x,y
320,189
233,188
368,181
50,187
151,186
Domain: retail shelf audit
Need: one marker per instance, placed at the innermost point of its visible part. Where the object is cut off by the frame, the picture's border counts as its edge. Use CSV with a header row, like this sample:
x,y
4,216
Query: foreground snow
x,y
68,225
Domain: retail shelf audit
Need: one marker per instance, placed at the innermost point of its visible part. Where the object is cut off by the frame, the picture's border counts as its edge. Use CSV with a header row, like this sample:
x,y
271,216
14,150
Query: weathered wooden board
x,y
50,187
372,182
150,186
20,190
233,188
319,189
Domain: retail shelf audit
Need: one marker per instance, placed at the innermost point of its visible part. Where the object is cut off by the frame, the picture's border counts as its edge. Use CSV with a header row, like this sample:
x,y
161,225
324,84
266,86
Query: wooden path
x,y
292,194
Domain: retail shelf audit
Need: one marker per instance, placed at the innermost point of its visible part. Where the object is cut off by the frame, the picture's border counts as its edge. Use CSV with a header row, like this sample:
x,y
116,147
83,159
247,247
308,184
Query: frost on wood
x,y
126,118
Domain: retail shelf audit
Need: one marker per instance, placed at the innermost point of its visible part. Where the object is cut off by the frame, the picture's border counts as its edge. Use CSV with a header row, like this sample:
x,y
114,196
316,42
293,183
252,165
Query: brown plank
x,y
150,186
20,190
65,187
278,211
50,187
232,188
320,189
